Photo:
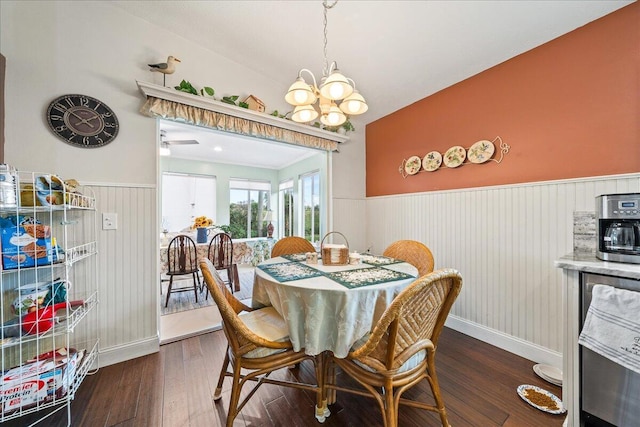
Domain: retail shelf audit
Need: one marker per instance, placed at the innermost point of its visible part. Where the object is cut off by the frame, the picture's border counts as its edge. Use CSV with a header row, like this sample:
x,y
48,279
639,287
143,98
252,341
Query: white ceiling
x,y
398,52
237,150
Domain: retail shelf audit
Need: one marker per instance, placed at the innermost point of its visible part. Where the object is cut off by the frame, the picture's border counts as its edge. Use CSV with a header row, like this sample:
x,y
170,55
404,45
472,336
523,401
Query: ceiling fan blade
x,y
182,142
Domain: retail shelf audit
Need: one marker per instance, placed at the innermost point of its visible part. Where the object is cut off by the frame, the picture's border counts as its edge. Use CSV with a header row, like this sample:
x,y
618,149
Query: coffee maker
x,y
618,227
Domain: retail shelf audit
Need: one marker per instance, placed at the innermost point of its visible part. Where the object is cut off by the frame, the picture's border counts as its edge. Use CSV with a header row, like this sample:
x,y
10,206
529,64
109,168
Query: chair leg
x,y
236,277
195,286
390,415
435,388
218,393
322,410
236,388
166,303
230,278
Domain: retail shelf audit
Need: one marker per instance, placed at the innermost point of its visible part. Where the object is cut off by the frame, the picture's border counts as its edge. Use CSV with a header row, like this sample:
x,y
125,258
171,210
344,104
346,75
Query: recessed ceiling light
x,y
218,148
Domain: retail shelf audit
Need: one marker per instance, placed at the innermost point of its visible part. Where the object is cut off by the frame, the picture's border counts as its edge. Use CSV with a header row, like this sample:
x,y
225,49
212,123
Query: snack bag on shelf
x,y
39,381
26,245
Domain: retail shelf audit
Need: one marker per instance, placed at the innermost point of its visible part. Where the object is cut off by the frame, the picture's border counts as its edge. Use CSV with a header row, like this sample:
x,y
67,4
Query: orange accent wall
x,y
568,109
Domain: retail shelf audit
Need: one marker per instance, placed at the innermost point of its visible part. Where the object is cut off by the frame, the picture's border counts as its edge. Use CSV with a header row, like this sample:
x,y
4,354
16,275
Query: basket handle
x,y
333,232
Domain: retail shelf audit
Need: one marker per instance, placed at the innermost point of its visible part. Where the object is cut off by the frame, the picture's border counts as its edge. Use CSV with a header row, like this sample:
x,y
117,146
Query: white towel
x,y
612,326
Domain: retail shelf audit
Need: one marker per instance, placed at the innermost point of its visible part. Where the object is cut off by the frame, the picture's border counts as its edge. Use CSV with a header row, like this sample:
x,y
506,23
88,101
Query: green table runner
x,y
295,257
288,271
366,276
378,260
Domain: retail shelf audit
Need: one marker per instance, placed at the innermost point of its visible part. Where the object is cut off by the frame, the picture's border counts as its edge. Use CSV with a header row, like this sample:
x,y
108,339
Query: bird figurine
x,y
165,68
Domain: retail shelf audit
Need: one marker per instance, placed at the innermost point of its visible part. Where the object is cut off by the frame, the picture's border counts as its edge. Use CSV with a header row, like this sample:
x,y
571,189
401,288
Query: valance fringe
x,y
156,107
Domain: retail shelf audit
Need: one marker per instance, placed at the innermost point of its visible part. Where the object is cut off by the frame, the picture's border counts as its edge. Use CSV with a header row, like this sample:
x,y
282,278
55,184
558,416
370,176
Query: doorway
x,y
227,157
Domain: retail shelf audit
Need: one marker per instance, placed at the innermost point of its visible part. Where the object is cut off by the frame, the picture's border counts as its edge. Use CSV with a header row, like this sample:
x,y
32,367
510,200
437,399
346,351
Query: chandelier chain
x,y
321,98
326,6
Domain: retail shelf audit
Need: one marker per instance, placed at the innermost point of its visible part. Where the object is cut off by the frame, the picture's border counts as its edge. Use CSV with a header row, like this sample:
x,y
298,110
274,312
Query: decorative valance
x,y
179,106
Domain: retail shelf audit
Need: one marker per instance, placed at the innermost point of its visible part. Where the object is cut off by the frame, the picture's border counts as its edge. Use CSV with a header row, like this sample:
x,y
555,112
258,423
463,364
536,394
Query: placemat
x,y
295,257
378,260
288,271
366,276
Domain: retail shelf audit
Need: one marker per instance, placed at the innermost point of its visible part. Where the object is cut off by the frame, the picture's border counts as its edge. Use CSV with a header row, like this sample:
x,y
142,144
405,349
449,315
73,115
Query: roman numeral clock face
x,y
82,121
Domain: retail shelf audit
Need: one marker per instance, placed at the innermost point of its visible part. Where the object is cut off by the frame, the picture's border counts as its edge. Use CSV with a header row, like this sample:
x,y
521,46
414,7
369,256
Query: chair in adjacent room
x,y
182,260
220,254
291,245
400,350
258,344
413,252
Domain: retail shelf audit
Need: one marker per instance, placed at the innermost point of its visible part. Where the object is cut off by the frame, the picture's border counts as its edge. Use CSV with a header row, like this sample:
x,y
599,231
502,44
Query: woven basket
x,y
334,256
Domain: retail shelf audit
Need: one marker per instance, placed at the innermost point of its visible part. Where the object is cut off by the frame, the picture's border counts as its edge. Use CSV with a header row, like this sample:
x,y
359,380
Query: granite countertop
x,y
587,262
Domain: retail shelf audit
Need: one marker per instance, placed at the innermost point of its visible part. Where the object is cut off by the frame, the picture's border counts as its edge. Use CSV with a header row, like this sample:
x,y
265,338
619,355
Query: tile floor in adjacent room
x,y
189,323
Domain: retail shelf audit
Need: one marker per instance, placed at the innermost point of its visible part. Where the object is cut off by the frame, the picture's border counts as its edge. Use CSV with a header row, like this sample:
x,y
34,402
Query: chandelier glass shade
x,y
334,88
304,113
300,93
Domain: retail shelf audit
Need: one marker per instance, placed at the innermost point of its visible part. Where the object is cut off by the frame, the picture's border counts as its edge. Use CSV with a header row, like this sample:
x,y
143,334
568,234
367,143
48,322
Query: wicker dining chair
x,y
291,245
413,252
258,344
400,350
182,260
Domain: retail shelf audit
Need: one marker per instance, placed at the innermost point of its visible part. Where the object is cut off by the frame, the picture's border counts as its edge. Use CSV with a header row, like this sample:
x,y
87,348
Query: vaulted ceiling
x,y
398,52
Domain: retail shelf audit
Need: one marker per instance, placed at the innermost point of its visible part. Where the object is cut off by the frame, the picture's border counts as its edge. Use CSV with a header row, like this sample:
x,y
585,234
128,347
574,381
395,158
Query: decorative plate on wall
x,y
412,166
454,156
481,151
432,161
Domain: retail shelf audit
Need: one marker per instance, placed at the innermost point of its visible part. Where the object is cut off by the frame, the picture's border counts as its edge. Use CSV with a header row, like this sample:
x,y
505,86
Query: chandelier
x,y
334,87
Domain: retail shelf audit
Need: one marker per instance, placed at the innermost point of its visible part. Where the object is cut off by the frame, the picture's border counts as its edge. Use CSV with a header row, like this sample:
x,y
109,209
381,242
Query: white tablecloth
x,y
323,314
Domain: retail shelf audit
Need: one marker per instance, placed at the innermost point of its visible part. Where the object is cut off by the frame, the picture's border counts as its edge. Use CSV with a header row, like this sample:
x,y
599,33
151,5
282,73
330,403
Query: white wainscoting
x,y
349,217
504,240
128,287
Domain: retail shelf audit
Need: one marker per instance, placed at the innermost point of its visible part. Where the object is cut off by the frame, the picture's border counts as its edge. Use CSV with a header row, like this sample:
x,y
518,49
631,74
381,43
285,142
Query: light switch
x,y
109,221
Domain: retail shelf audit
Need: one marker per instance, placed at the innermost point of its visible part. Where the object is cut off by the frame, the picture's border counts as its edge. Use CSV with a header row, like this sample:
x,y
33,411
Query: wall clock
x,y
82,121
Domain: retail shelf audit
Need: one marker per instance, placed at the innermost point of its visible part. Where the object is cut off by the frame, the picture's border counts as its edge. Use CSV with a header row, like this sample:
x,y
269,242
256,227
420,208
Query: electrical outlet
x,y
109,221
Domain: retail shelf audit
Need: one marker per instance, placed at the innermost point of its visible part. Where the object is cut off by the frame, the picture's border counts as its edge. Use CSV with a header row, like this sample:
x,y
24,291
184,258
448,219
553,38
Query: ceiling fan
x,y
163,140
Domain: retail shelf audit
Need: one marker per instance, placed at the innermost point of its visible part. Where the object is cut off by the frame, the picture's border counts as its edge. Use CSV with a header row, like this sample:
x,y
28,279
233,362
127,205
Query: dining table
x,y
329,307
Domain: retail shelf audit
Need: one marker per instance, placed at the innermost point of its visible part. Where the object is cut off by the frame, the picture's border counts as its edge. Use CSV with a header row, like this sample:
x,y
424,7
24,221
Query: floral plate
x,y
432,161
454,156
412,166
481,151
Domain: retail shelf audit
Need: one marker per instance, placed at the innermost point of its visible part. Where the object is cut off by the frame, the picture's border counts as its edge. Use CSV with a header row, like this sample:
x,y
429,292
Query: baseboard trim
x,y
506,342
121,353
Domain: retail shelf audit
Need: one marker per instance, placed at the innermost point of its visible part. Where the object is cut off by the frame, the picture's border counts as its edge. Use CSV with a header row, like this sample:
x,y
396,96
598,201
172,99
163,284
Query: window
x,y
286,209
248,204
310,184
185,197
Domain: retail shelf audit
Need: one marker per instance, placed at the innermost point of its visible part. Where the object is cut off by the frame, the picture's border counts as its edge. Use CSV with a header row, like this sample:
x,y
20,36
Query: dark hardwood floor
x,y
173,388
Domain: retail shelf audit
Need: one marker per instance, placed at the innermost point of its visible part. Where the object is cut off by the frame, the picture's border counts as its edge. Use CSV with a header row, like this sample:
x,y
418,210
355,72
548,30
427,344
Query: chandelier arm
x,y
315,84
333,67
